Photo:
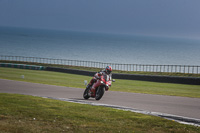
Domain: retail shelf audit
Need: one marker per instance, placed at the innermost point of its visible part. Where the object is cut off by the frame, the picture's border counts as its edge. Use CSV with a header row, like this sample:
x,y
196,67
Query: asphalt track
x,y
178,106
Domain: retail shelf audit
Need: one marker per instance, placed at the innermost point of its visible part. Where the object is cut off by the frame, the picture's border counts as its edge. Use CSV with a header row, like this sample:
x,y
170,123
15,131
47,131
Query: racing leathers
x,y
97,76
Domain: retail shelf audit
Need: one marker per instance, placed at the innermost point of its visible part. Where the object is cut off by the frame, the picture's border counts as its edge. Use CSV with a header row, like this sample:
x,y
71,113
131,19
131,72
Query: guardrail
x,y
116,66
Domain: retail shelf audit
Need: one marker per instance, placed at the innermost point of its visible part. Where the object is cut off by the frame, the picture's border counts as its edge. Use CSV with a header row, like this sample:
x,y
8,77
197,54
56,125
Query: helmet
x,y
108,69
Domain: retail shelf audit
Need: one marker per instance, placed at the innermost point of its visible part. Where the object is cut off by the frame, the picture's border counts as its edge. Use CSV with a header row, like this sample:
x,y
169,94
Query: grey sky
x,y
154,17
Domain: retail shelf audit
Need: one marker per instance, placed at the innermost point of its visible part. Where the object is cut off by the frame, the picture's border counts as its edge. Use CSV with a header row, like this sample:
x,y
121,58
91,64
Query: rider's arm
x,y
98,75
110,77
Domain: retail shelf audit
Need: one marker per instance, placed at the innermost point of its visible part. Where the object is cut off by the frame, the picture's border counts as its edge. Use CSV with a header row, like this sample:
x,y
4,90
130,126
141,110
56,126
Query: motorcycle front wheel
x,y
99,92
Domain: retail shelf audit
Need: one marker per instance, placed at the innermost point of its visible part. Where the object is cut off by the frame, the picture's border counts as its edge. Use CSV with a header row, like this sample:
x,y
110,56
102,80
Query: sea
x,y
99,47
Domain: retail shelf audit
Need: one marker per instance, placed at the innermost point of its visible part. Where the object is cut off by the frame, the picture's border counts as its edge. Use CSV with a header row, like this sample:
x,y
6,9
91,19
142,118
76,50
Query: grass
x,y
73,80
97,69
22,114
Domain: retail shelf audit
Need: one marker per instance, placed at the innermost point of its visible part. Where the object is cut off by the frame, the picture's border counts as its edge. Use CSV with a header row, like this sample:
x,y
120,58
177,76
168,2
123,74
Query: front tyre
x,y
85,94
99,92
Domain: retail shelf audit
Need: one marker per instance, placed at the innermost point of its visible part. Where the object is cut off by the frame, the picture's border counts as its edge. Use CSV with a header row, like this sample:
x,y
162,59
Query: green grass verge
x,y
28,114
73,80
97,69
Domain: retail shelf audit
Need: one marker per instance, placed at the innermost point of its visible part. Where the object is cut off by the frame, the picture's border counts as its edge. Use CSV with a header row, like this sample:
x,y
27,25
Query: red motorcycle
x,y
101,85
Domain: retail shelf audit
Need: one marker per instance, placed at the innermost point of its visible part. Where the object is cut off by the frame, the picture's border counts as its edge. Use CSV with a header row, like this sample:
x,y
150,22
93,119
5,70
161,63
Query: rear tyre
x,y
85,94
99,92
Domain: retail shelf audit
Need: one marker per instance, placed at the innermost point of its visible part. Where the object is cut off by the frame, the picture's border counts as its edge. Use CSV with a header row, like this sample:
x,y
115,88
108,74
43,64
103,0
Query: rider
x,y
106,73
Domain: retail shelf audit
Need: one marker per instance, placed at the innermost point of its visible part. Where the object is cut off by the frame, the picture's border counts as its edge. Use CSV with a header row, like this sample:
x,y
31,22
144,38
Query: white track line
x,y
180,119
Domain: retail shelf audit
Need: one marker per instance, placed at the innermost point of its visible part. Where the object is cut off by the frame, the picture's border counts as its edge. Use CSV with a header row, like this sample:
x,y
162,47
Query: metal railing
x,y
123,67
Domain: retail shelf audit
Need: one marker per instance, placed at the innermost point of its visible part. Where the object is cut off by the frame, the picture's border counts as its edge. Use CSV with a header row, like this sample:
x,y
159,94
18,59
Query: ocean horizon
x,y
99,47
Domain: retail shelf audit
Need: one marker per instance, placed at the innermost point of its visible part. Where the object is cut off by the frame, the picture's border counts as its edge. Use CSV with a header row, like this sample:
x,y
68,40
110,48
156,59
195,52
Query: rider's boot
x,y
88,86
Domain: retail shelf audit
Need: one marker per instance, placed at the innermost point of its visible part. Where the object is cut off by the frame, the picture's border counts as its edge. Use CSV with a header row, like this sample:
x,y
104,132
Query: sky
x,y
149,17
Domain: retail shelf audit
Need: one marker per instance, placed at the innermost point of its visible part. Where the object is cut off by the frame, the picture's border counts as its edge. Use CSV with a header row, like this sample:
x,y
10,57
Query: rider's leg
x,y
92,81
95,85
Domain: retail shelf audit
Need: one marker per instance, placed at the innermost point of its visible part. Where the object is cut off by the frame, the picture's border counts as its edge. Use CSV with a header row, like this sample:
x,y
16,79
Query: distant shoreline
x,y
97,47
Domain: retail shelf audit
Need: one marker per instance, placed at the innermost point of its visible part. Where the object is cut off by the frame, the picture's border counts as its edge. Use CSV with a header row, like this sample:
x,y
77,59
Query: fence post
x,y
184,69
192,69
171,69
188,69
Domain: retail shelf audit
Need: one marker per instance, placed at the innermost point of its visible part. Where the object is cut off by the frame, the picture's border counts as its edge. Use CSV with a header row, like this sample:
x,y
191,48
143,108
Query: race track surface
x,y
181,106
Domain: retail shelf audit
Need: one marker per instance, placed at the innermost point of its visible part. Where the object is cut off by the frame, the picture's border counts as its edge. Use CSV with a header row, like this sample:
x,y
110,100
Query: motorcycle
x,y
101,86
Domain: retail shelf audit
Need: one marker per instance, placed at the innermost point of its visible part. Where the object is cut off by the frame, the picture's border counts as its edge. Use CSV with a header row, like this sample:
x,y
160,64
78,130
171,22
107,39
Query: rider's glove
x,y
107,87
100,73
98,77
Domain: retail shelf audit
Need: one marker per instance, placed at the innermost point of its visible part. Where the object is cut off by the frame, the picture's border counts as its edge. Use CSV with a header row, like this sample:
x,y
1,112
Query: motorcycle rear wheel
x,y
99,92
